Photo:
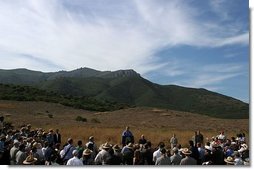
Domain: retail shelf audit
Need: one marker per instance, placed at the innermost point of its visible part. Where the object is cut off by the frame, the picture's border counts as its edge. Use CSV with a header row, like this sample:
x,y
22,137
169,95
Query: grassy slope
x,y
156,124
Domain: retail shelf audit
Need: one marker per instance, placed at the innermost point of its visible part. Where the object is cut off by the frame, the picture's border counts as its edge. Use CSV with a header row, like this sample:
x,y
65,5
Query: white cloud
x,y
50,31
210,76
207,79
242,39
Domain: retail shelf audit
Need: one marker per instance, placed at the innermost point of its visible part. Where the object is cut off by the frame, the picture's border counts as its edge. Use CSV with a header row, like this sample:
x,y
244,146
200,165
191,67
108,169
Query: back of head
x,y
79,143
175,150
149,144
163,151
161,145
191,143
22,147
90,146
91,138
70,141
75,152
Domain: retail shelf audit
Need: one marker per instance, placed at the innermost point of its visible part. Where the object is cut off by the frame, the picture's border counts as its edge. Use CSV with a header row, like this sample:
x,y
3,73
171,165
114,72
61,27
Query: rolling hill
x,y
128,87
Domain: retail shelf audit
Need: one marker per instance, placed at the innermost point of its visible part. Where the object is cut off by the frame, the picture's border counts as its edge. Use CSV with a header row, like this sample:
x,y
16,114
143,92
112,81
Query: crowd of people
x,y
27,146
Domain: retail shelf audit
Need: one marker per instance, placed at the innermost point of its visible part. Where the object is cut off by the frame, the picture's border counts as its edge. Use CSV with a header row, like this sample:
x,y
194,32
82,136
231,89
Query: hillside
x,y
26,93
129,88
156,124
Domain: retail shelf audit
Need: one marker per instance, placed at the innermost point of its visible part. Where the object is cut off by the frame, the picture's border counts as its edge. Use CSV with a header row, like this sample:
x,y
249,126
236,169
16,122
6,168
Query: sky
x,y
191,43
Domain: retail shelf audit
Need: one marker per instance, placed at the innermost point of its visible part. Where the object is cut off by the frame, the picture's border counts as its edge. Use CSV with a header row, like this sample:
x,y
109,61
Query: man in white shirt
x,y
222,136
157,153
75,161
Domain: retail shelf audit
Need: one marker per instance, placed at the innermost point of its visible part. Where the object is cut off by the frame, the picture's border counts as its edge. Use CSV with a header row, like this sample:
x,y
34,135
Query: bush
x,y
95,120
50,115
81,119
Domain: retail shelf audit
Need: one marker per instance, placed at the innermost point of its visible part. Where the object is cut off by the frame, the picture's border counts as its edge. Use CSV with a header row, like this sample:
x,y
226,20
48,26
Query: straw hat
x,y
130,146
87,152
229,160
35,144
186,151
29,160
116,147
106,146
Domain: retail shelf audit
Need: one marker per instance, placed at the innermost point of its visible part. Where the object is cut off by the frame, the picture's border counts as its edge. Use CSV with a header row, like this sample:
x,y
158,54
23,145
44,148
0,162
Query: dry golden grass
x,y
156,124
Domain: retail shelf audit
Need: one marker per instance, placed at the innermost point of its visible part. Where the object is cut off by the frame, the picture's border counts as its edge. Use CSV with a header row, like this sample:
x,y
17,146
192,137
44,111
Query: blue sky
x,y
192,43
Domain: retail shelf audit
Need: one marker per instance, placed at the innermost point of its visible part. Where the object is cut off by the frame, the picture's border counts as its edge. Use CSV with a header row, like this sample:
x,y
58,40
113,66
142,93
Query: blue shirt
x,y
68,151
1,146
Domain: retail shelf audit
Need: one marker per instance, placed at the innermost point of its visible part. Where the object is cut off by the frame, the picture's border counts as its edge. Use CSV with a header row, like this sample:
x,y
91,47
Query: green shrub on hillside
x,y
81,119
95,120
50,115
27,93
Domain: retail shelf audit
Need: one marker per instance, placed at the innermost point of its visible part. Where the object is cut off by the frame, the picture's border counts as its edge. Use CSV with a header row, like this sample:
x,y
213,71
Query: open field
x,y
156,124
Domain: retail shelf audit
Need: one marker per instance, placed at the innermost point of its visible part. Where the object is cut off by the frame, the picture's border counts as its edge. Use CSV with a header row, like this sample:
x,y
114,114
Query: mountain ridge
x,y
128,87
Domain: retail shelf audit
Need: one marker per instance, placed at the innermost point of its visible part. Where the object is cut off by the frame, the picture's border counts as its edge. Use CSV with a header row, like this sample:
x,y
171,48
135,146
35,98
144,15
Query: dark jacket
x,y
57,138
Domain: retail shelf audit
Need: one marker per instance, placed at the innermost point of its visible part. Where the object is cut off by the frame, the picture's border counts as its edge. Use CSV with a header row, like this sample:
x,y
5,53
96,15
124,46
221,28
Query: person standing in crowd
x,y
142,140
201,152
36,155
127,136
74,161
147,153
87,158
222,137
14,150
176,157
50,137
48,154
114,159
173,141
194,150
2,141
157,153
188,160
217,155
80,149
237,158
103,156
92,142
57,137
21,154
163,159
128,154
194,138
199,137
137,158
117,153
68,149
